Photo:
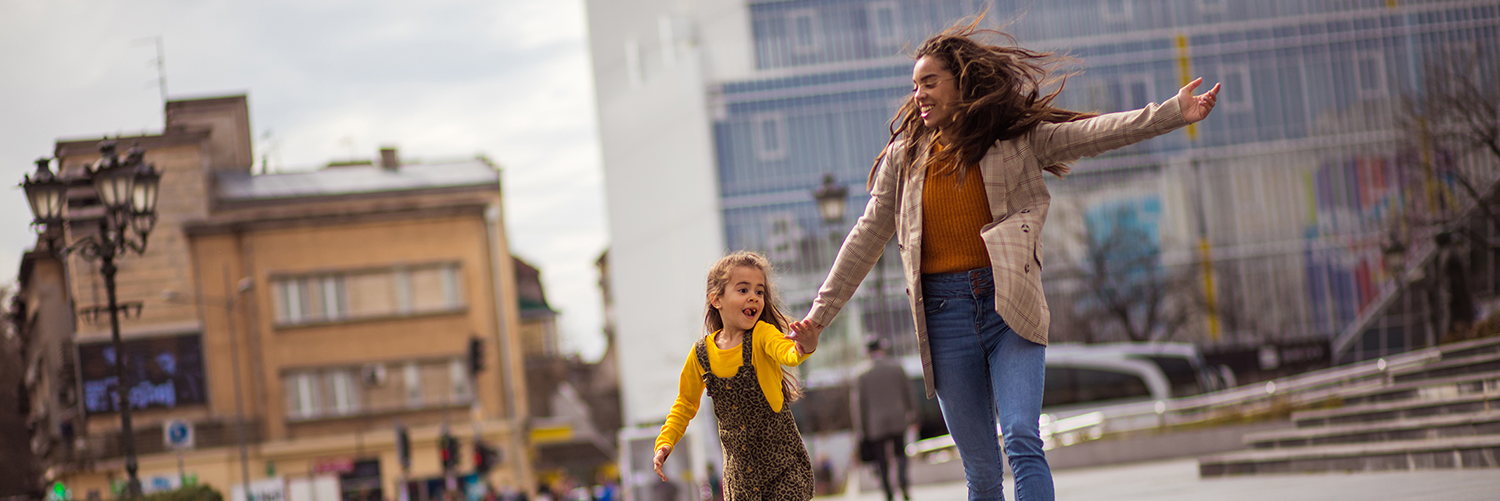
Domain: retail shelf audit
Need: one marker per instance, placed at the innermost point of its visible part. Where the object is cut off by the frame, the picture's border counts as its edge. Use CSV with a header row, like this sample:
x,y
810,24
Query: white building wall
x,y
651,61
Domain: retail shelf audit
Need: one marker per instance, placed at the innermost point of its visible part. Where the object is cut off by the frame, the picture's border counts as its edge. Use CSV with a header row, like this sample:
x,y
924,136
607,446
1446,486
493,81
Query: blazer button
x,y
1025,228
908,291
1028,267
1023,211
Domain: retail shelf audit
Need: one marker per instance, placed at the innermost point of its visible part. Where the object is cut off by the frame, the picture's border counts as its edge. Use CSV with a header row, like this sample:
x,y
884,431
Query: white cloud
x,y
508,79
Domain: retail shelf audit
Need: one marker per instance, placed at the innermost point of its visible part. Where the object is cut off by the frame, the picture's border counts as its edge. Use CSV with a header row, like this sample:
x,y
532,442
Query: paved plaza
x,y
1178,480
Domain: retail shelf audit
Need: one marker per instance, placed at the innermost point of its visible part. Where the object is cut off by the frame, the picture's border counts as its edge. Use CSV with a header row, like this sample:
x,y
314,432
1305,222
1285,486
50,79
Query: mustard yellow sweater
x,y
771,352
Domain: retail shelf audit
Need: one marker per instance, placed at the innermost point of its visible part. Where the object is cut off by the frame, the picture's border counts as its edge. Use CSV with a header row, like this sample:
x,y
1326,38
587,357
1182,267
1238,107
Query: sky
x,y
331,80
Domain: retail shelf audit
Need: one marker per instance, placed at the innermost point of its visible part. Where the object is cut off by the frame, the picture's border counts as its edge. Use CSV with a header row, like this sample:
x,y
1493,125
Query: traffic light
x,y
403,447
485,457
448,451
476,355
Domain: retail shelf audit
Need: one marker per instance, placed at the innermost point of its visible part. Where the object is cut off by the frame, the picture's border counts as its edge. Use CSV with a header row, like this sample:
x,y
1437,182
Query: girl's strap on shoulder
x,y
746,346
701,348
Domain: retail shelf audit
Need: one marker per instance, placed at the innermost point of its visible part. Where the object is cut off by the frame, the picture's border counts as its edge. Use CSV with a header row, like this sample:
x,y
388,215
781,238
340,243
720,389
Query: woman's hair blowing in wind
x,y
1000,97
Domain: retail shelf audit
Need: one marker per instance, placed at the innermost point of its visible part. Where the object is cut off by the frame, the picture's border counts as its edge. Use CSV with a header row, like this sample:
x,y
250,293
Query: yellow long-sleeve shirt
x,y
771,352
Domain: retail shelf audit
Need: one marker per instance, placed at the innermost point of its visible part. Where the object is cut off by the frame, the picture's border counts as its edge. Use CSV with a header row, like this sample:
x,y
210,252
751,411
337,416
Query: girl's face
x,y
936,92
743,300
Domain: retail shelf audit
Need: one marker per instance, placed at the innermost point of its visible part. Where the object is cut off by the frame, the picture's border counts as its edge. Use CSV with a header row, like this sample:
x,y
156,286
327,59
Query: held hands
x,y
661,457
805,333
1196,108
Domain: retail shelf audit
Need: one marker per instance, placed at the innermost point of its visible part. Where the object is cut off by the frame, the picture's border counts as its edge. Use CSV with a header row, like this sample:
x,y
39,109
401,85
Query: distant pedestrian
x,y
739,361
884,408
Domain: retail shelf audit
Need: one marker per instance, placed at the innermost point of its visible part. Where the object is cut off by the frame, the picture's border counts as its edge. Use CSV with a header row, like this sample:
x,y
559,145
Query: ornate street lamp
x,y
46,193
127,189
831,199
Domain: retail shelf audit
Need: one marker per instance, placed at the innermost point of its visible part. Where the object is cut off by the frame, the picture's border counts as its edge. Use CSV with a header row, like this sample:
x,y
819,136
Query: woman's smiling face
x,y
936,92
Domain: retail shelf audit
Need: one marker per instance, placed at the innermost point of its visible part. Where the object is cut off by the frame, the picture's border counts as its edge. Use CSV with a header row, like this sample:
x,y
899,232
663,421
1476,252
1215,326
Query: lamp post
x,y
127,190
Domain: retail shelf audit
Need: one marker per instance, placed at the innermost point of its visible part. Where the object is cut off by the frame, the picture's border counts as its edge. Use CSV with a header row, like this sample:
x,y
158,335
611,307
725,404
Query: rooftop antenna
x,y
161,65
265,152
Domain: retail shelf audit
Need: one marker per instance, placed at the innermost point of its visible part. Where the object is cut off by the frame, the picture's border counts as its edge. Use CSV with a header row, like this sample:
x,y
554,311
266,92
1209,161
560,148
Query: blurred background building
x,y
1298,226
292,321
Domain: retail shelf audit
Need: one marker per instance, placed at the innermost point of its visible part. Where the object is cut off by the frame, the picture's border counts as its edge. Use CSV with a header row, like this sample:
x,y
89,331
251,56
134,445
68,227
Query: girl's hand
x,y
805,333
1196,108
661,457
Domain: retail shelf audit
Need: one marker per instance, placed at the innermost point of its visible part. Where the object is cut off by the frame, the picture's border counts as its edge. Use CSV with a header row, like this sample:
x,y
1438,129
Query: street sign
x,y
177,434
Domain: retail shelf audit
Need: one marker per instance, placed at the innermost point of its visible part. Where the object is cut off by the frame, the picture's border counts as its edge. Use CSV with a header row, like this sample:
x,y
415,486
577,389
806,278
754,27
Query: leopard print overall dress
x,y
764,458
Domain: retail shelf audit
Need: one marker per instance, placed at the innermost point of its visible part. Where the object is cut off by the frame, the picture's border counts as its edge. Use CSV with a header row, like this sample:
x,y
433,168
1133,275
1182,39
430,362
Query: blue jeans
x,y
983,369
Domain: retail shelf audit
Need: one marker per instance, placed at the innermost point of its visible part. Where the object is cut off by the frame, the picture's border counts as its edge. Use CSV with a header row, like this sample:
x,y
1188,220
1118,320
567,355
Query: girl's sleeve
x,y
781,349
689,393
1065,142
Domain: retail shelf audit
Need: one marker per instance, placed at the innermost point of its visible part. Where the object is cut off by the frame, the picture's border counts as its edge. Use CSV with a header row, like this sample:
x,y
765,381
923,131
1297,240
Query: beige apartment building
x,y
317,311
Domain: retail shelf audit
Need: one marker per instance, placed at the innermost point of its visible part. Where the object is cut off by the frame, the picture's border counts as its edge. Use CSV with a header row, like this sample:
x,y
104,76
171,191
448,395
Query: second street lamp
x,y
127,189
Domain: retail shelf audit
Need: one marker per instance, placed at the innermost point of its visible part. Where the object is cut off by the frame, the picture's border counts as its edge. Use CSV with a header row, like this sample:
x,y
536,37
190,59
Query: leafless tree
x,y
1122,289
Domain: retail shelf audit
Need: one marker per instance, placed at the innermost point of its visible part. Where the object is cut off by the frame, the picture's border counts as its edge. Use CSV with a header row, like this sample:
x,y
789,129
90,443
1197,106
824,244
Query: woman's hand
x,y
805,333
1196,108
661,457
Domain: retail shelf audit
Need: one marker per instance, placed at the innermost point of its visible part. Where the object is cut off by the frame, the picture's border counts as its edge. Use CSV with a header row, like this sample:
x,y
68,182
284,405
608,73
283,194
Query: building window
x,y
413,382
302,396
1135,91
1369,75
332,392
403,290
768,131
885,23
1116,11
1237,91
806,34
1211,6
344,392
783,235
458,375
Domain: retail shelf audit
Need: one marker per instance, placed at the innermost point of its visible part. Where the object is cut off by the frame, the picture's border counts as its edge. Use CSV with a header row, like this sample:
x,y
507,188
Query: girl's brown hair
x,y
1000,97
718,282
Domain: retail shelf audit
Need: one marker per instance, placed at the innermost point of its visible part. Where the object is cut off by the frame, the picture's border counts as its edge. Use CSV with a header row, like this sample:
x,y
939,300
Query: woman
x,y
960,186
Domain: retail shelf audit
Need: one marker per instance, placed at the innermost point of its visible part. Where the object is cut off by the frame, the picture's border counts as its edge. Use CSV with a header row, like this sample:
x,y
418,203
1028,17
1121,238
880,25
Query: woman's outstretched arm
x,y
1065,142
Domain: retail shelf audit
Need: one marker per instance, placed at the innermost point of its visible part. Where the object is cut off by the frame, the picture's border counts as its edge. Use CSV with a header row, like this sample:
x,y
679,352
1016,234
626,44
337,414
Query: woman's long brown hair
x,y
1000,97
718,283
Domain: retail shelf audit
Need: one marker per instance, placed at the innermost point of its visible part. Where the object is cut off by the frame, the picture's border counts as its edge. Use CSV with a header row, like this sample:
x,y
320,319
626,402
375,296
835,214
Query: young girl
x,y
740,363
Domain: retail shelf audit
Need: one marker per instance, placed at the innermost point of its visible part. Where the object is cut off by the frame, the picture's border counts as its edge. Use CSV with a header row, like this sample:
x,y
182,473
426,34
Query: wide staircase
x,y
1441,413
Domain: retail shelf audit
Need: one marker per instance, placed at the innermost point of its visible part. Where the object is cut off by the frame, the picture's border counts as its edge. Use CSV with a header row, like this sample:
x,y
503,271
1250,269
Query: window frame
x,y
872,15
758,137
815,34
1378,57
1109,16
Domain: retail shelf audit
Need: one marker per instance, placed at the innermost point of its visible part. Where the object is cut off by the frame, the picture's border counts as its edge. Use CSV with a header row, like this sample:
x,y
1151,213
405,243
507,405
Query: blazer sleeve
x,y
865,243
1055,143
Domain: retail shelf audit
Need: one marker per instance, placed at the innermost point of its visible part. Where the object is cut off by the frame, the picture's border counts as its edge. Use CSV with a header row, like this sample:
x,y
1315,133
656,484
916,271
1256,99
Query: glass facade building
x,y
1270,222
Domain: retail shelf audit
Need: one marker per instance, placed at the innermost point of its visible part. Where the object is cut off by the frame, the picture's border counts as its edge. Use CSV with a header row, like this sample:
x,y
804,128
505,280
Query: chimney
x,y
388,158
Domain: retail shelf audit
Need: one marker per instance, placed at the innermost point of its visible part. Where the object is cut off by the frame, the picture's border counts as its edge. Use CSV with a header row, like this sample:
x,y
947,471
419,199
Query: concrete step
x,y
1473,364
1471,348
1425,388
1456,452
1425,428
1401,409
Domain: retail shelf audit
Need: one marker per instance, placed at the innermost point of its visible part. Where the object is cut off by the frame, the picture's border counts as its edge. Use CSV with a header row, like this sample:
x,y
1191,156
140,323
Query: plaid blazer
x,y
1018,198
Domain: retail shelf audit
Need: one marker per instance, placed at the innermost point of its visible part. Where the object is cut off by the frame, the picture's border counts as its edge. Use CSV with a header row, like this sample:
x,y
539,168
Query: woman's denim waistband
x,y
978,281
